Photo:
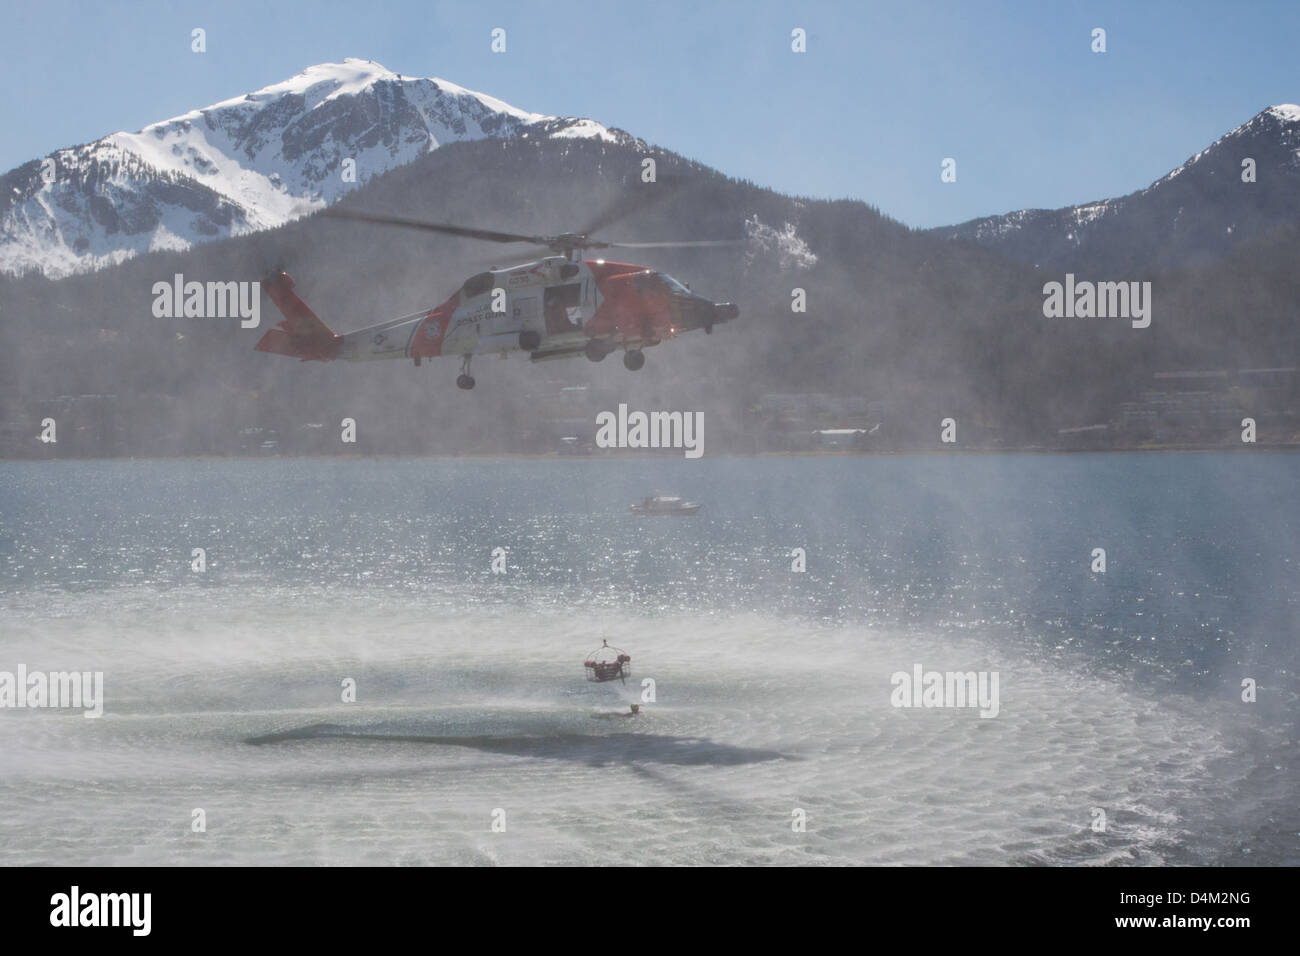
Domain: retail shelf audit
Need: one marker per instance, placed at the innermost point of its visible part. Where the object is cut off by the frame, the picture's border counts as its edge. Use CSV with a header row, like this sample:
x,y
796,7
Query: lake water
x,y
1120,692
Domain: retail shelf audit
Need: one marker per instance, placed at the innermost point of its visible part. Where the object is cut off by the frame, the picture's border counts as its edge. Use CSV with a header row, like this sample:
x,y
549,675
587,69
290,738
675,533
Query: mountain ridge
x,y
244,164
1189,216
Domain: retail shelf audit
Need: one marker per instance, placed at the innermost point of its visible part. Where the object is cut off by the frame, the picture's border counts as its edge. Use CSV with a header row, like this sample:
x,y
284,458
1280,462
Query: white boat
x,y
664,505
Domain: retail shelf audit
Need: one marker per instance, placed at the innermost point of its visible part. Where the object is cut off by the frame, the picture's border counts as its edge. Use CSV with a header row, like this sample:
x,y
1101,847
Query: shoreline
x,y
1272,449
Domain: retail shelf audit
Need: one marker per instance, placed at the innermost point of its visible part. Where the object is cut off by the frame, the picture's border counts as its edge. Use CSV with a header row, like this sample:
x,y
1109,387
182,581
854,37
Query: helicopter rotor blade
x,y
620,209
449,229
627,204
484,263
677,244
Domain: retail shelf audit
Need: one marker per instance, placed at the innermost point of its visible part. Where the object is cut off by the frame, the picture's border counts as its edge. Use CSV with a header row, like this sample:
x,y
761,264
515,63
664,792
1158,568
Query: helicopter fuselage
x,y
553,307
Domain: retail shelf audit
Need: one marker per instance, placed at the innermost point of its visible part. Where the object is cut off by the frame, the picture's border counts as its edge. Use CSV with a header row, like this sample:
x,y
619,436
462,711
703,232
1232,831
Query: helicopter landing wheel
x,y
465,380
529,341
633,359
595,351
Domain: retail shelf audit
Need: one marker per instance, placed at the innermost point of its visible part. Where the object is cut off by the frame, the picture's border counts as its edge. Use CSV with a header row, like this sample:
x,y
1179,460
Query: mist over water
x,y
1119,691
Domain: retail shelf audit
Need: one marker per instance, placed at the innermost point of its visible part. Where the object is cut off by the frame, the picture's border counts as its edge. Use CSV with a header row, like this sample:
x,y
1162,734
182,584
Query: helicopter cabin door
x,y
563,308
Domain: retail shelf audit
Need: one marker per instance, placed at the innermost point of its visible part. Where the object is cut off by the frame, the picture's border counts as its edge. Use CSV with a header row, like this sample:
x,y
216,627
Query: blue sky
x,y
885,92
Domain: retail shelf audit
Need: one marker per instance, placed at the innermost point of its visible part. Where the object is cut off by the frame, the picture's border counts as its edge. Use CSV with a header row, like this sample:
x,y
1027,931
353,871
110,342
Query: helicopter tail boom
x,y
301,334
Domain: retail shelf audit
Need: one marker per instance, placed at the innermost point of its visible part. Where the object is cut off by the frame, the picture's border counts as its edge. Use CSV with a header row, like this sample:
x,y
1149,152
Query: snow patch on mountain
x,y
585,129
784,244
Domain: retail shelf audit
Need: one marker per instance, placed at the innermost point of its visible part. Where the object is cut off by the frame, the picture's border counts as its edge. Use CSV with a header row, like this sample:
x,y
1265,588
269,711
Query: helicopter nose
x,y
699,313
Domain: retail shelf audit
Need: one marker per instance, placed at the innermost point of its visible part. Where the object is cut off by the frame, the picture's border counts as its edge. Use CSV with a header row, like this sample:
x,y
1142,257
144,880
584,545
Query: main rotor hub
x,y
570,242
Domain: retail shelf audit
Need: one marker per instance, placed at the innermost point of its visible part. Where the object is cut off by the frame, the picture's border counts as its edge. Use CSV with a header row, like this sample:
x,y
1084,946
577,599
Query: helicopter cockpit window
x,y
650,282
673,284
478,285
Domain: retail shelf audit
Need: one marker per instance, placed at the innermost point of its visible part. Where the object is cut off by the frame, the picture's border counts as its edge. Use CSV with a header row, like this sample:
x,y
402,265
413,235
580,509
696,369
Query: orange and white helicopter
x,y
557,306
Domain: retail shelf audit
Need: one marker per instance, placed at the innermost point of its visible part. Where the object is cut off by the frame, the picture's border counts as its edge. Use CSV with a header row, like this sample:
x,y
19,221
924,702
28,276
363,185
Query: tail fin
x,y
301,334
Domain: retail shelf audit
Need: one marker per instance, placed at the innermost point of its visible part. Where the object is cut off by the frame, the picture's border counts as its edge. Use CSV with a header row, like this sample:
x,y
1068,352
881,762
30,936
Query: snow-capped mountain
x,y
1193,215
242,165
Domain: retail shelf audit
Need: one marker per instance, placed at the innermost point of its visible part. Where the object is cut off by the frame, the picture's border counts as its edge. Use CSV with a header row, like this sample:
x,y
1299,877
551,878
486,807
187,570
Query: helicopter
x,y
556,306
